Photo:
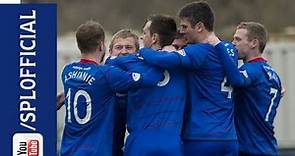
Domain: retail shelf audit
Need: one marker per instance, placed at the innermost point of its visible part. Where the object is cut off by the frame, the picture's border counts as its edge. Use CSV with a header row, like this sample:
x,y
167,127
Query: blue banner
x,y
28,79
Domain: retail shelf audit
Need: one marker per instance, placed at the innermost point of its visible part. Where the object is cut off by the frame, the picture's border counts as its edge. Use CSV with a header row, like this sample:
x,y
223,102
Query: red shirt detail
x,y
86,61
257,59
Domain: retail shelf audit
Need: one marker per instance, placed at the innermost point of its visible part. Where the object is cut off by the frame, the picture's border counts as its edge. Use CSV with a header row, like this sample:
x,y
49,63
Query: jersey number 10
x,y
79,93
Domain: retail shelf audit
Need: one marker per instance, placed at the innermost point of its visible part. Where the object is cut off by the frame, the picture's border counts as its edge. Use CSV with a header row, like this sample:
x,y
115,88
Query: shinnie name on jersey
x,y
80,73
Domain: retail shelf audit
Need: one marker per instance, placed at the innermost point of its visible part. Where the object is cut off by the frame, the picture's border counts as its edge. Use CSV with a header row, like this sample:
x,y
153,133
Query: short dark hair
x,y
89,35
165,26
125,33
255,31
198,12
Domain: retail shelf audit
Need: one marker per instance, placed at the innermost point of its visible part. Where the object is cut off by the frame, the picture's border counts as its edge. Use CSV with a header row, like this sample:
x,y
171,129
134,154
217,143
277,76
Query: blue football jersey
x,y
90,97
120,123
257,96
154,112
120,116
210,108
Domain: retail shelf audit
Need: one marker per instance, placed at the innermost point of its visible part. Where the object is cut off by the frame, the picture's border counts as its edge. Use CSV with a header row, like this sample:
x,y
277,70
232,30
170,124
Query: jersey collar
x,y
86,61
257,59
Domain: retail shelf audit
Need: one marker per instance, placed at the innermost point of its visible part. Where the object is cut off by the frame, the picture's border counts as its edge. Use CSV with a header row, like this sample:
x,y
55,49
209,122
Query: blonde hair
x,y
125,33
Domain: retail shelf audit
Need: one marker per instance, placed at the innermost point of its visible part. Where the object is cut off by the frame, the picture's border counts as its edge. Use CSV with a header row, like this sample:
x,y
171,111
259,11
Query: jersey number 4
x,y
226,88
79,93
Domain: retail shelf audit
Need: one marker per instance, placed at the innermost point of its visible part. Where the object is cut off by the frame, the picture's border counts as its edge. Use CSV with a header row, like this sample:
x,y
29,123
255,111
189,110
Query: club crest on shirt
x,y
135,76
181,52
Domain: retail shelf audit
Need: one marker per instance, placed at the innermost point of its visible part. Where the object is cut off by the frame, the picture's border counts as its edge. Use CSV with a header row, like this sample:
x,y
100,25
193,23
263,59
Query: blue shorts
x,y
210,148
152,143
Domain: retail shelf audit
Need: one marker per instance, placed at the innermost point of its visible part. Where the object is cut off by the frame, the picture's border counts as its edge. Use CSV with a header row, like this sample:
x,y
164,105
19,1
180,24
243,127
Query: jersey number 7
x,y
274,92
